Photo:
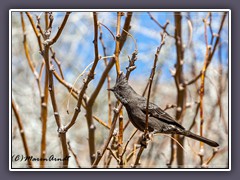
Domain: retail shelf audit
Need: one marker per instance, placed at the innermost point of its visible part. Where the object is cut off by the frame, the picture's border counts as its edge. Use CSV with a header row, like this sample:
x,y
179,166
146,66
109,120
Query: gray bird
x,y
158,122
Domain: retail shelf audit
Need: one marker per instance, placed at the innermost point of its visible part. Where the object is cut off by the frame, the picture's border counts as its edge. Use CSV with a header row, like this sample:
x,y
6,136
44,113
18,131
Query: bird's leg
x,y
146,137
144,140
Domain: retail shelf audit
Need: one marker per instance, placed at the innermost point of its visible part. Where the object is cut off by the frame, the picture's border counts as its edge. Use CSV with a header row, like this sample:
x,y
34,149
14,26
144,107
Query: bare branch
x,y
35,31
74,154
52,41
22,133
105,146
151,79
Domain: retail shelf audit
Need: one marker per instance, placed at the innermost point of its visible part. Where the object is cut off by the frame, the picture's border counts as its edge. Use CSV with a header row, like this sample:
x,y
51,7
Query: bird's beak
x,y
110,89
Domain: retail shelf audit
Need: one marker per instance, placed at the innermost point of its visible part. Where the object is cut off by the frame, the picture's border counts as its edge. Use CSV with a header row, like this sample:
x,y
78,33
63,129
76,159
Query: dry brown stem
x,y
74,155
22,133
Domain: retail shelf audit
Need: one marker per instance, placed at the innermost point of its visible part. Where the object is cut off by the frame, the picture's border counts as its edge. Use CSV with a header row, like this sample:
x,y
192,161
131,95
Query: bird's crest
x,y
121,79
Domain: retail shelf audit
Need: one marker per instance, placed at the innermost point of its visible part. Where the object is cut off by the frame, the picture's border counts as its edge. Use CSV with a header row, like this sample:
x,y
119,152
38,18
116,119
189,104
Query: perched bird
x,y
158,122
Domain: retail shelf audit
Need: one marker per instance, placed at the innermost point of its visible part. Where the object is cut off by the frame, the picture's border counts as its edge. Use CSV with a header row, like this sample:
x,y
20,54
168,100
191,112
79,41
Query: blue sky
x,y
75,44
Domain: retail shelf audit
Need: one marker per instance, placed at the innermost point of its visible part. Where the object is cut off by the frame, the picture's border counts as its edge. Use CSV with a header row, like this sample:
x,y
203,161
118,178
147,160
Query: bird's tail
x,y
200,138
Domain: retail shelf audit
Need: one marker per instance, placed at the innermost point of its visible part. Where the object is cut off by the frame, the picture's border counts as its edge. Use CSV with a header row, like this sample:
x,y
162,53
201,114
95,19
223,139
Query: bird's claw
x,y
146,137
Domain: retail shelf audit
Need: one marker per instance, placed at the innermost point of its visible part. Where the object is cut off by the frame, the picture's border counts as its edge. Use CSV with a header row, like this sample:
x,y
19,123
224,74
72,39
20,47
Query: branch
x,y
74,154
85,85
81,94
112,61
26,50
57,61
61,131
52,41
113,146
44,96
49,75
46,20
128,141
100,84
108,77
151,79
136,163
74,92
208,58
212,53
205,164
118,70
195,116
117,48
100,153
164,28
145,136
179,81
126,28
35,31
22,133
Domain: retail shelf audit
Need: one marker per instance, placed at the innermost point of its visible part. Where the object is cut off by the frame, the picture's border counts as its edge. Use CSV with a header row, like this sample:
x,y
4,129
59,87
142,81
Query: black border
x,y
235,89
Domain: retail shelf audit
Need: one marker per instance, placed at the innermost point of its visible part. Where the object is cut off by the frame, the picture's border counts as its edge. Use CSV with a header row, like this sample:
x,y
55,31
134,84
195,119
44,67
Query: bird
x,y
158,120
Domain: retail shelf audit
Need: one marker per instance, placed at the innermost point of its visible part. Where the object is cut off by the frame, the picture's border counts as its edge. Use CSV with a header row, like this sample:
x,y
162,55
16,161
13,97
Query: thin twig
x,y
164,28
44,96
99,86
22,133
108,30
207,162
35,31
74,92
49,72
195,116
26,50
113,146
39,26
212,52
112,61
126,28
60,29
118,70
81,94
61,131
74,154
91,126
136,163
131,65
44,114
57,61
108,77
117,49
148,98
113,154
105,146
151,79
70,88
210,27
204,68
222,86
128,141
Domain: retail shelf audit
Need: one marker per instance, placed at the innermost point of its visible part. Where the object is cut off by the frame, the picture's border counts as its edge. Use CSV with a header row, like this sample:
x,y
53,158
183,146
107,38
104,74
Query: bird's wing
x,y
155,111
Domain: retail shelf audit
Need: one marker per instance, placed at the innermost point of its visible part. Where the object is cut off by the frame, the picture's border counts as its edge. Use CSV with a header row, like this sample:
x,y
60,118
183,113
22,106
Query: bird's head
x,y
121,88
